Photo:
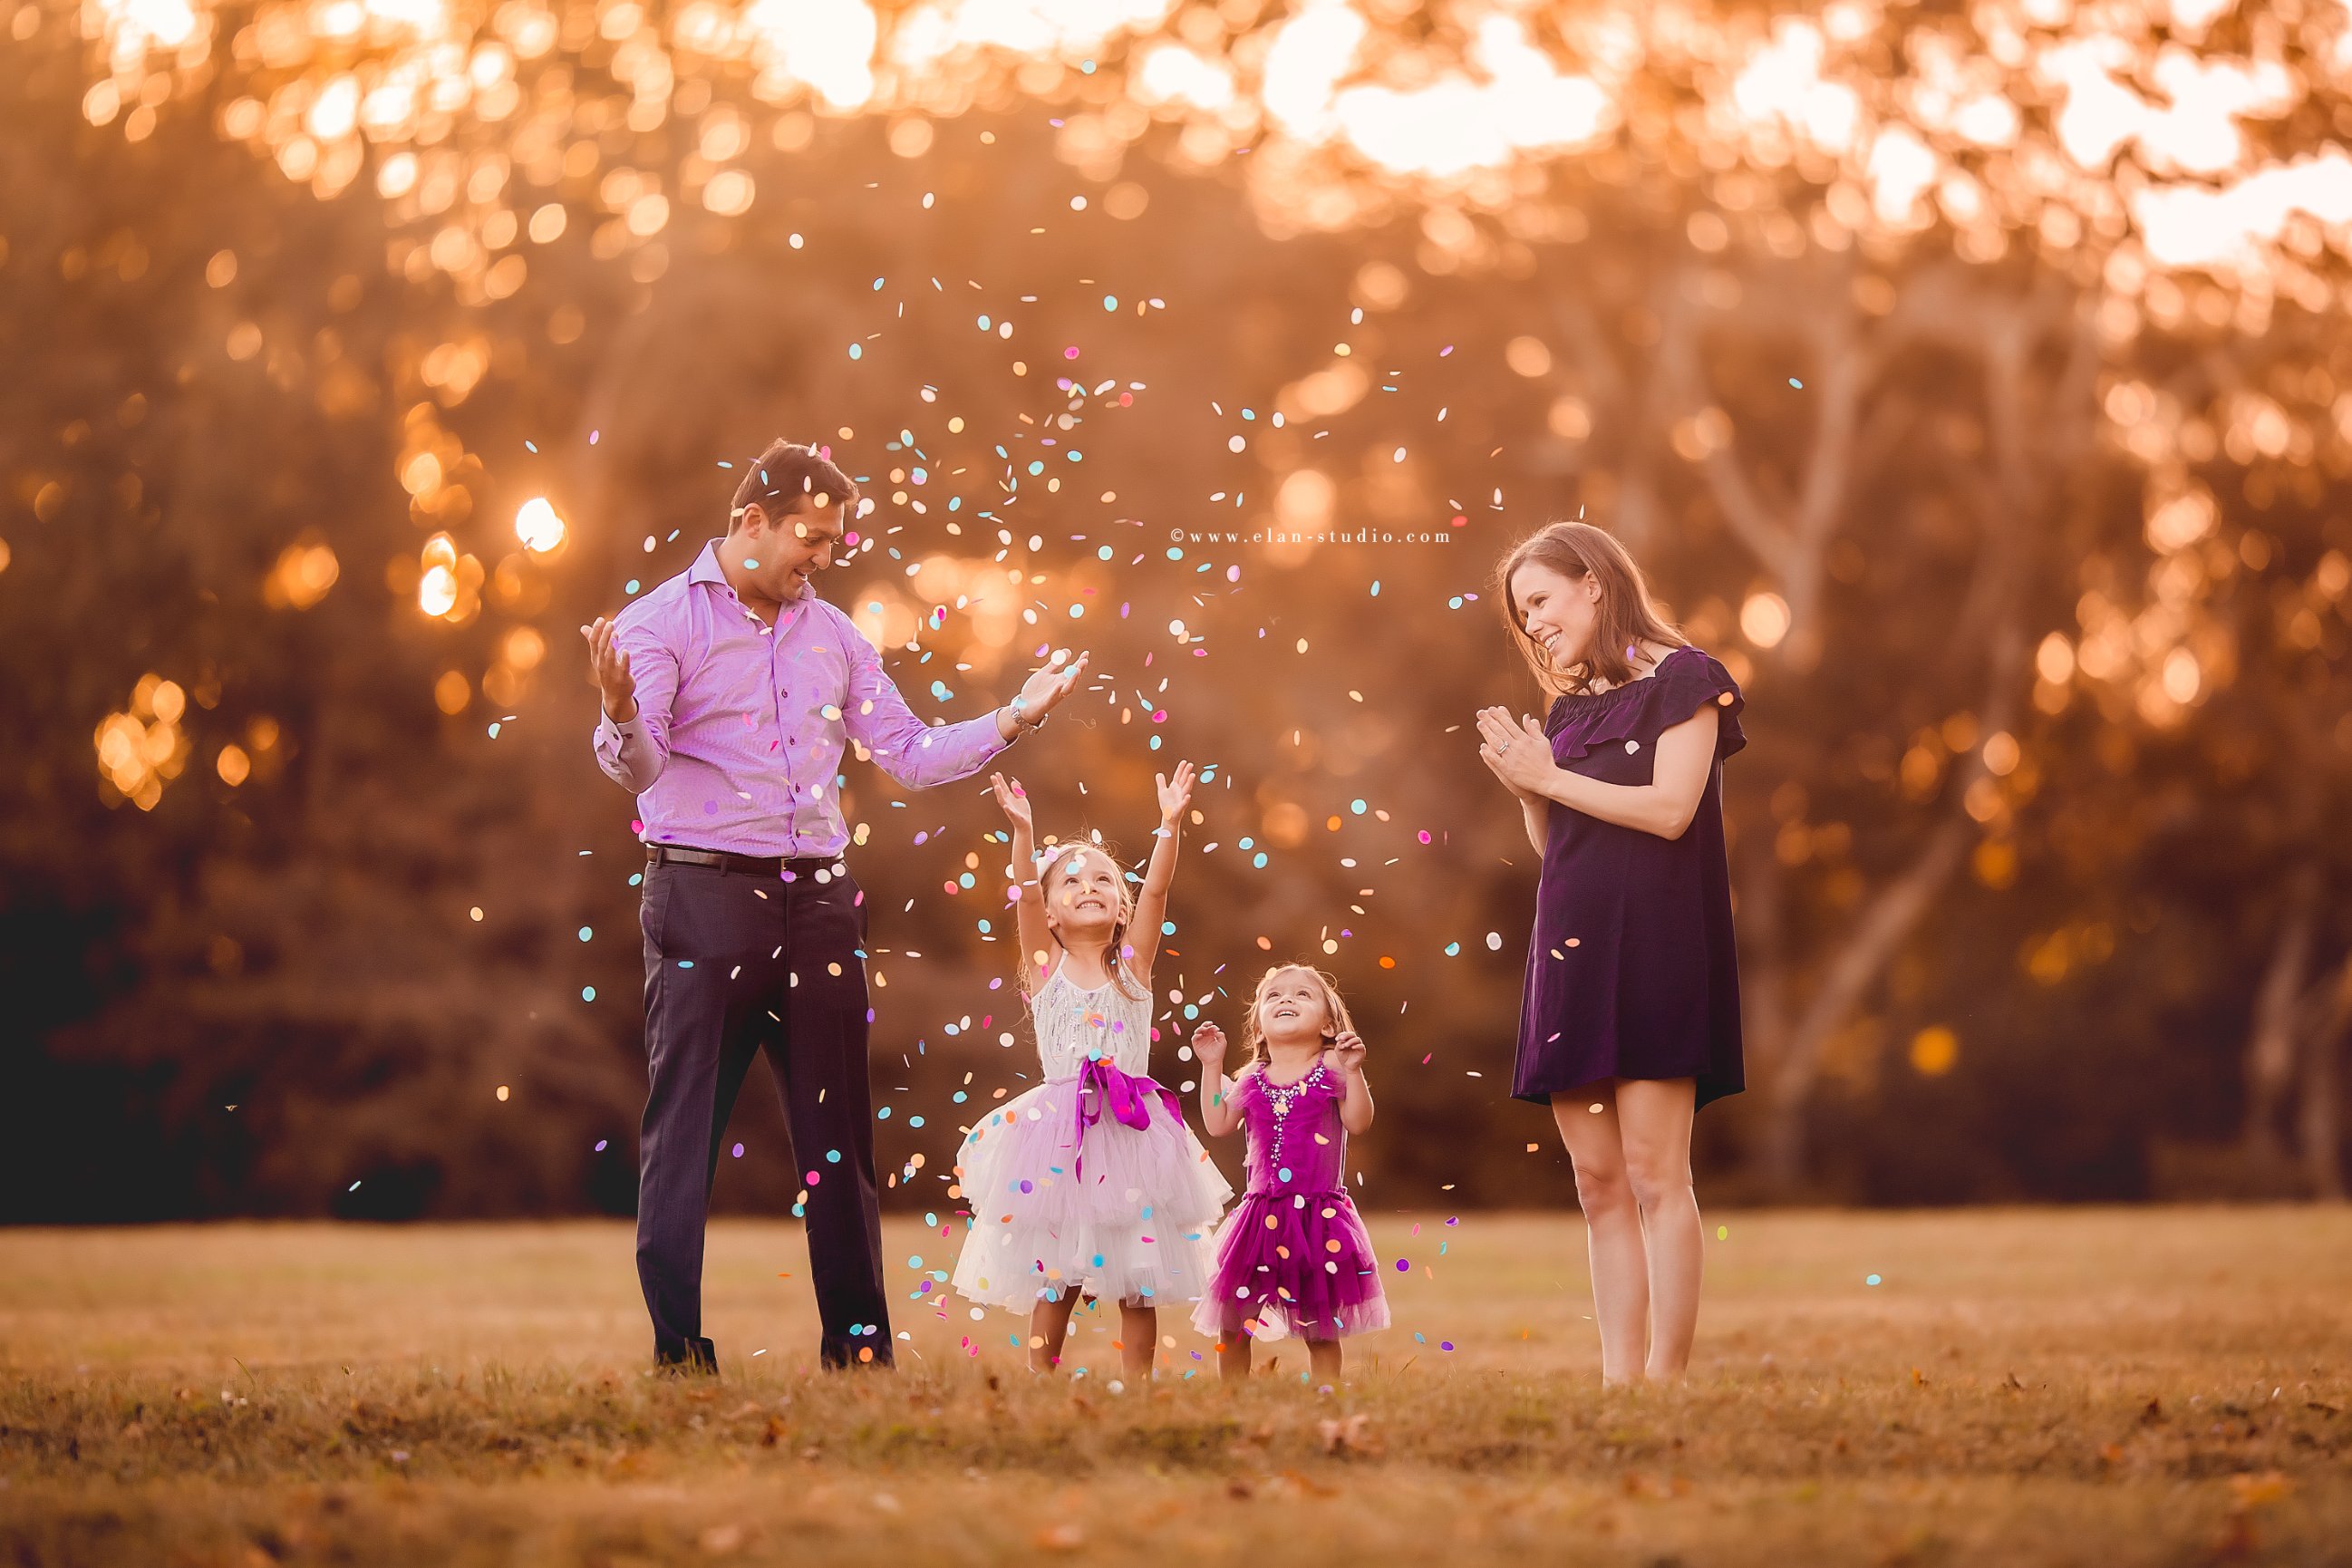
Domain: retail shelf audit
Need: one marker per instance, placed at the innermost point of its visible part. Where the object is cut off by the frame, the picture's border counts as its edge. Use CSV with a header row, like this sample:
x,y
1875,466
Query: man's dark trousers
x,y
737,962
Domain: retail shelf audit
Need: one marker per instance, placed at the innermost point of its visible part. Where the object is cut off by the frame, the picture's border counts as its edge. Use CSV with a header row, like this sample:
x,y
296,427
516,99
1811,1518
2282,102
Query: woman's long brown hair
x,y
1625,618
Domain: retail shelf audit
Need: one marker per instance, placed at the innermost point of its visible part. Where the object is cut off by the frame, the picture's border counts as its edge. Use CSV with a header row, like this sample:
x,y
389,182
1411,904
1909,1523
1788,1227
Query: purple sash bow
x,y
1128,1098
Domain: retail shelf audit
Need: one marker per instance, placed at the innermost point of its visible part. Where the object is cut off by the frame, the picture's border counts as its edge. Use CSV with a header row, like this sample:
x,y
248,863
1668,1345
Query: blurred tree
x,y
1971,381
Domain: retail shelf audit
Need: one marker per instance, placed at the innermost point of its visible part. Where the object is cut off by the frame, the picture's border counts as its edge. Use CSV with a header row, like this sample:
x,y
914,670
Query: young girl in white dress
x,y
1089,1183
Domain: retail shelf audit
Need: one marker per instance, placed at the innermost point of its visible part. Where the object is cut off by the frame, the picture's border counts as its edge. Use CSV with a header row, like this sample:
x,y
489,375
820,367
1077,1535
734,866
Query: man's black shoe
x,y
698,1357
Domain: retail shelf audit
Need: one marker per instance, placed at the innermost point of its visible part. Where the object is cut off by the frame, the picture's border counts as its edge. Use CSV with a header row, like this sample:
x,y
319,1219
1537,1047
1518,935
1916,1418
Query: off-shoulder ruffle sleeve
x,y
1686,681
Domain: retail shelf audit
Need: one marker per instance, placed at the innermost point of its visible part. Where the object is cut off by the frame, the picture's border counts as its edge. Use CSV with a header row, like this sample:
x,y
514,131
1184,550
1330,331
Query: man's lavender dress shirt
x,y
737,737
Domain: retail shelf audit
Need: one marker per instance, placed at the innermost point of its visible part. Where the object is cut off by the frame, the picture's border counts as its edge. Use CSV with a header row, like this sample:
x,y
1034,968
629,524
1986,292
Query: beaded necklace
x,y
1280,1098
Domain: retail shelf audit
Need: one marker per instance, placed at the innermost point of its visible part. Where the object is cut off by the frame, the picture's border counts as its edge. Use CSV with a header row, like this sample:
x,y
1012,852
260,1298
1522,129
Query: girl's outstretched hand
x,y
1175,794
1347,1050
1011,799
1209,1045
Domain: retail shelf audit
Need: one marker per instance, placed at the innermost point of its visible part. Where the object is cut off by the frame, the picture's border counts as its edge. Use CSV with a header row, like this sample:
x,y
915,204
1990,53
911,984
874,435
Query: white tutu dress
x,y
1123,1212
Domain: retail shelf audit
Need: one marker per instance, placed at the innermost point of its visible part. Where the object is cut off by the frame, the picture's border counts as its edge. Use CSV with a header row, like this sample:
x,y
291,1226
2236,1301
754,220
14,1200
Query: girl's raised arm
x,y
1151,902
1219,1114
1355,1094
1028,897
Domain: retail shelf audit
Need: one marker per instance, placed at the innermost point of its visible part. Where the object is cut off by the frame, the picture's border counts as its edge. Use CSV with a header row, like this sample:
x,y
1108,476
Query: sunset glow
x,y
1329,95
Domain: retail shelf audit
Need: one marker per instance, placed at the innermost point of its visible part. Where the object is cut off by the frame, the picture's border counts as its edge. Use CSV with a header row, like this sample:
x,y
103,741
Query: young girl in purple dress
x,y
1292,1256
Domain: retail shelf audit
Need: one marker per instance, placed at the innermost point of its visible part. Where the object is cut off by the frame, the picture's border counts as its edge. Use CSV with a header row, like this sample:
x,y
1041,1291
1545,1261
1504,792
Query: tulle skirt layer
x,y
1127,1216
1292,1263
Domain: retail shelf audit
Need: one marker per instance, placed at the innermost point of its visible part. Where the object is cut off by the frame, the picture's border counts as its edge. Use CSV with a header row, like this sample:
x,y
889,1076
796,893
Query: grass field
x,y
2100,1387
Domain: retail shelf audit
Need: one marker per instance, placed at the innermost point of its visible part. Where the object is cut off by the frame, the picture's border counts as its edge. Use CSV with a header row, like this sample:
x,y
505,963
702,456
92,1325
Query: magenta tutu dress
x,y
1294,1256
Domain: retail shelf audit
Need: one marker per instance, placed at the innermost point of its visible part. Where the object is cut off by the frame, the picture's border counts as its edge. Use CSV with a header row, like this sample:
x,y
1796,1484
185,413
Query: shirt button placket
x,y
776,698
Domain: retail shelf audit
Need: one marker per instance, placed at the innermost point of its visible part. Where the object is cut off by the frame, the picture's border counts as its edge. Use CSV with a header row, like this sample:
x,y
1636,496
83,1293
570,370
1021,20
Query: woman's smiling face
x,y
1558,612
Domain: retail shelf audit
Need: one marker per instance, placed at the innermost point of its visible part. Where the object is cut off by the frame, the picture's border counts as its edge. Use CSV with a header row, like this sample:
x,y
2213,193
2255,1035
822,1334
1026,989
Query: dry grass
x,y
2093,1387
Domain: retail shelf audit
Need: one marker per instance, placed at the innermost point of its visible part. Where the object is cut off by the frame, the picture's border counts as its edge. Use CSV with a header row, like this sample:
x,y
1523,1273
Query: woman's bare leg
x,y
1139,1339
1655,1123
1049,1324
1613,1226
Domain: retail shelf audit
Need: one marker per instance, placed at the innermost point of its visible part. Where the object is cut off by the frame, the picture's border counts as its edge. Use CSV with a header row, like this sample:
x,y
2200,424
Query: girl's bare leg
x,y
1654,1119
1049,1324
1139,1339
1323,1361
1613,1226
1233,1354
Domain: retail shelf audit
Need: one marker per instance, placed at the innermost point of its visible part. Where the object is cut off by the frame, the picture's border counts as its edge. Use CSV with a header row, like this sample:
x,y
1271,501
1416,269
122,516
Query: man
x,y
728,692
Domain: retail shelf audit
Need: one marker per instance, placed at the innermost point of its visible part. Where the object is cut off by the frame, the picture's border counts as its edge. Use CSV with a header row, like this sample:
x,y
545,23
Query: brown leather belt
x,y
746,865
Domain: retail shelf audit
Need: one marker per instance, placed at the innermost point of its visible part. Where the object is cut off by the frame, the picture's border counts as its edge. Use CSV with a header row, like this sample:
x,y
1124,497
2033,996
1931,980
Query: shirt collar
x,y
706,569
790,613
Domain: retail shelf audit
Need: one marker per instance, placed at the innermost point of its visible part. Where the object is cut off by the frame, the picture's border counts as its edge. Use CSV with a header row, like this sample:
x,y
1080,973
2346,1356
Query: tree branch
x,y
2005,504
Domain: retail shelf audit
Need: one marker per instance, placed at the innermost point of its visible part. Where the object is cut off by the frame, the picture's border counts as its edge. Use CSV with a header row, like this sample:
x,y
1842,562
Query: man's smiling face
x,y
790,546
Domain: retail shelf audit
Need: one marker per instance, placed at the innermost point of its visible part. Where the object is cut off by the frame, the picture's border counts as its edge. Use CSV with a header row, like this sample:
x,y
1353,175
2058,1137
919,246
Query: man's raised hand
x,y
609,672
1049,683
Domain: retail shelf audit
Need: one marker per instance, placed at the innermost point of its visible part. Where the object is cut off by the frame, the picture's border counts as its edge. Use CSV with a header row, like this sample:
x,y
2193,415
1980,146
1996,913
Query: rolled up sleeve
x,y
634,754
913,753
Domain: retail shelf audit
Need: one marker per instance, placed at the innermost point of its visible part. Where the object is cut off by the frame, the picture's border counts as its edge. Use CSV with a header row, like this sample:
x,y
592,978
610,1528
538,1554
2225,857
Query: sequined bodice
x,y
1074,1024
1296,1140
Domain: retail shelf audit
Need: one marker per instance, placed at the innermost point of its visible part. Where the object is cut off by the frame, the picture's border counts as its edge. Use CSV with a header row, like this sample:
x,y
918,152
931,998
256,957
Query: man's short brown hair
x,y
787,471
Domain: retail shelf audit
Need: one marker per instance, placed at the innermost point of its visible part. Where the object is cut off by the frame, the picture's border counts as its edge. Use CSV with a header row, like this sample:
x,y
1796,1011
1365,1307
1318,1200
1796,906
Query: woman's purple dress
x,y
1292,1256
1630,971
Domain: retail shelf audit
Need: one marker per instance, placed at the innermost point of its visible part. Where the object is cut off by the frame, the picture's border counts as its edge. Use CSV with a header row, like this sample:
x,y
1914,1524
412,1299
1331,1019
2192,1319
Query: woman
x,y
1630,1017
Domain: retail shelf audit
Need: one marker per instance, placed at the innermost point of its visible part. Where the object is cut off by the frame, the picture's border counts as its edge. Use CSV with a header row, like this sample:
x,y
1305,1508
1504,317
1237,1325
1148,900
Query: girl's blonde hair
x,y
1032,973
1625,617
1335,1009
